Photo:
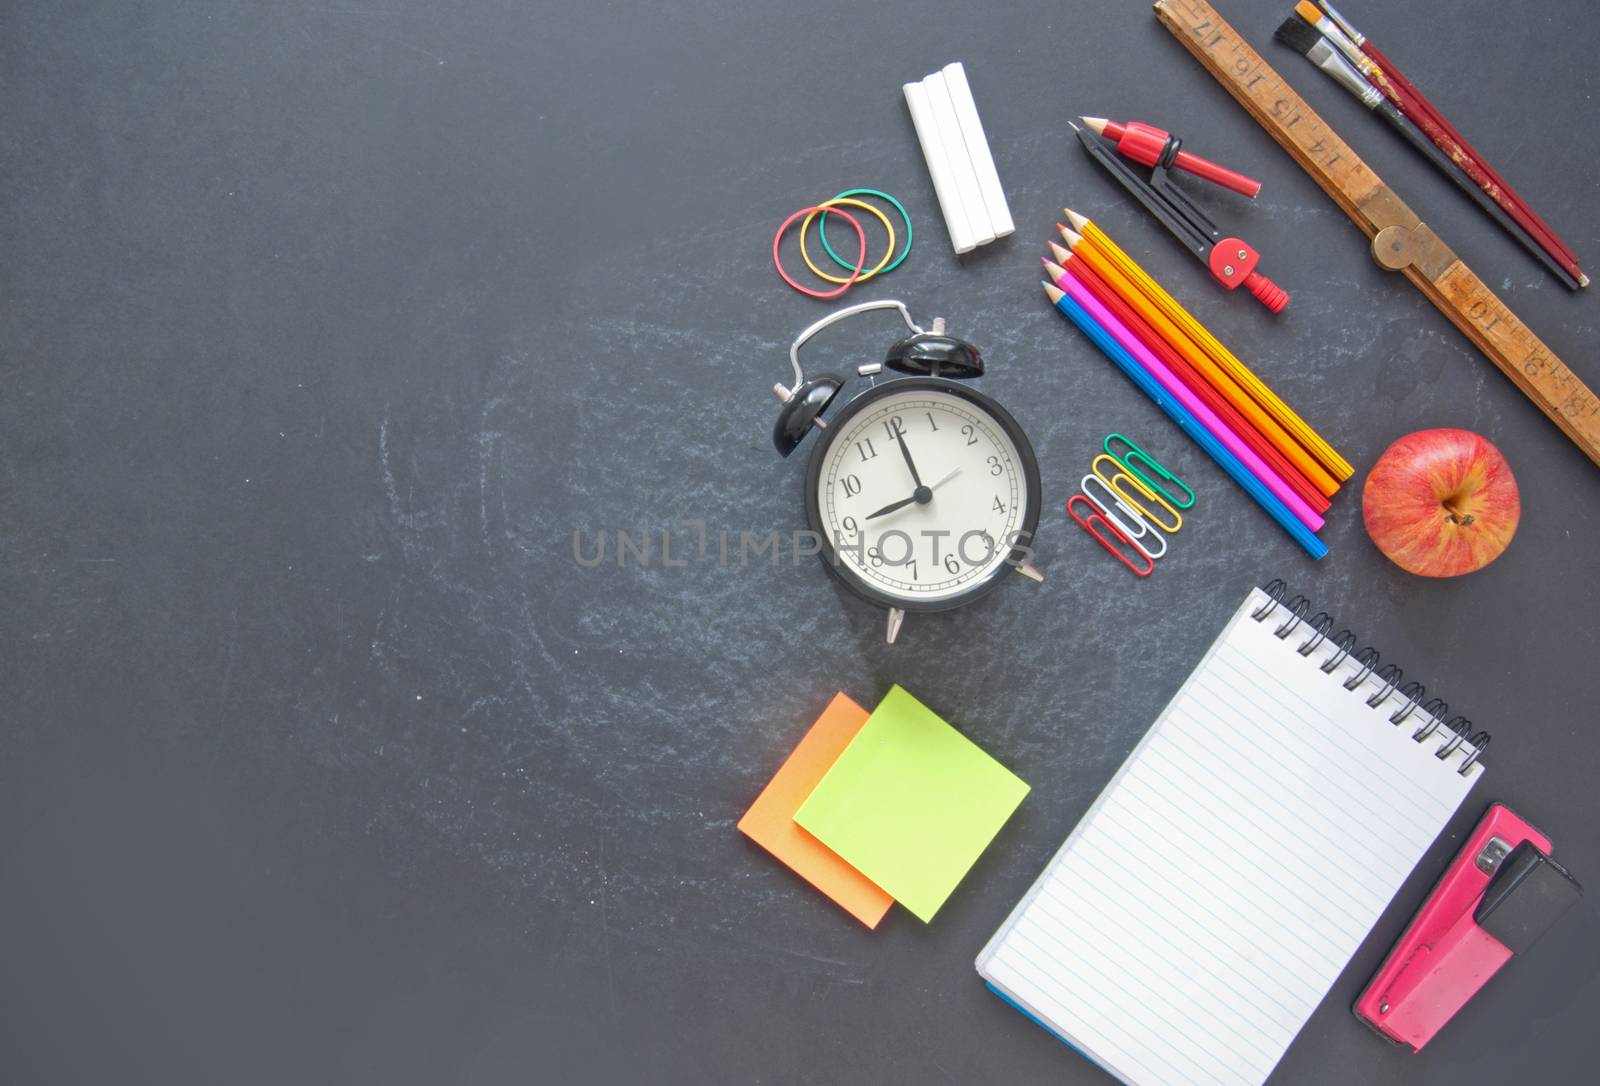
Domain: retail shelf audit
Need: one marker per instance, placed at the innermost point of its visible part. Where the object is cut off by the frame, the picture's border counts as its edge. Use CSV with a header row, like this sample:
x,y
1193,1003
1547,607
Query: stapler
x,y
1499,895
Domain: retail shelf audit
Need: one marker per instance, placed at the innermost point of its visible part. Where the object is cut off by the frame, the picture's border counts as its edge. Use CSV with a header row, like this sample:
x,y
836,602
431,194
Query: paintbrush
x,y
1307,40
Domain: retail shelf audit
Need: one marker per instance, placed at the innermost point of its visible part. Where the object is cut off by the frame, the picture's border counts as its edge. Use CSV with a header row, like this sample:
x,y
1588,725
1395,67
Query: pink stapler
x,y
1501,892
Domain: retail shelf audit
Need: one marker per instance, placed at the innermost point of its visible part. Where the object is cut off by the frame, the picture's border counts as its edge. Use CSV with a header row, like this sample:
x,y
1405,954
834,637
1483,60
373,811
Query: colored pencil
x,y
1076,311
1293,423
1316,478
1180,365
1175,388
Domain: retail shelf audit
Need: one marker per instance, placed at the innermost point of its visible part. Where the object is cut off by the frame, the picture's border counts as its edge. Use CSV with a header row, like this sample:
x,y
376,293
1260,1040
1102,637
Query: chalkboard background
x,y
325,327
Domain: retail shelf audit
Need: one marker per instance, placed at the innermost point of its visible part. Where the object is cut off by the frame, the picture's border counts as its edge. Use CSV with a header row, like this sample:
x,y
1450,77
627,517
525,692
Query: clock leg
x,y
1030,571
896,618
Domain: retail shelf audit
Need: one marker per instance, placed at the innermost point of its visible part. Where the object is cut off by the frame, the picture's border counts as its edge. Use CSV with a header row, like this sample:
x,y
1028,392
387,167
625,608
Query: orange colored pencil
x,y
1068,263
1307,438
1101,264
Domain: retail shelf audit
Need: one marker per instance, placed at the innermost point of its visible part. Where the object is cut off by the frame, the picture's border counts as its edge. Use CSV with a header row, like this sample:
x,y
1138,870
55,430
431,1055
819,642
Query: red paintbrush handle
x,y
1561,251
1474,170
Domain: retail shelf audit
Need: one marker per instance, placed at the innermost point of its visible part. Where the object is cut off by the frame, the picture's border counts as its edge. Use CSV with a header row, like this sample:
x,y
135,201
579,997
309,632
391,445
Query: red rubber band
x,y
855,273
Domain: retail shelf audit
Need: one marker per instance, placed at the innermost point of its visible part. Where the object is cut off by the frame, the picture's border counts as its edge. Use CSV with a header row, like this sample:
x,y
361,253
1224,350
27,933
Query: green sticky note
x,y
911,803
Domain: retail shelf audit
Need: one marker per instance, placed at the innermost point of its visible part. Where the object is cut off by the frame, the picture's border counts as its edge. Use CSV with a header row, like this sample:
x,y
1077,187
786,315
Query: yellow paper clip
x,y
1119,476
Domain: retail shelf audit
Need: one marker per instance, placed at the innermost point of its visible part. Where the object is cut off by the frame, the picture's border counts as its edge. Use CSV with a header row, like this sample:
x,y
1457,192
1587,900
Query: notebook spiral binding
x,y
1413,694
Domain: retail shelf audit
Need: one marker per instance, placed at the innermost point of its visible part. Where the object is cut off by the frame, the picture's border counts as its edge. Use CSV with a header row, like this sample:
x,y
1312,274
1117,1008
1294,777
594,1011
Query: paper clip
x,y
1129,499
1088,524
1116,522
1135,453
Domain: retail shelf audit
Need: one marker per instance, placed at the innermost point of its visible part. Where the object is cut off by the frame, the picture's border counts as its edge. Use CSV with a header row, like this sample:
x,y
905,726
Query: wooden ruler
x,y
1401,241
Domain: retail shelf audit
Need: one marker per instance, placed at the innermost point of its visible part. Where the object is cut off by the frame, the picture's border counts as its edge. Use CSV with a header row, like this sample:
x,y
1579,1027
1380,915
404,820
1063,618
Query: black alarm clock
x,y
923,491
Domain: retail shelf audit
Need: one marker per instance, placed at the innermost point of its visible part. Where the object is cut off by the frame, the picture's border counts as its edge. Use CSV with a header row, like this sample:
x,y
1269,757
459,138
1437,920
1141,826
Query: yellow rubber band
x,y
864,276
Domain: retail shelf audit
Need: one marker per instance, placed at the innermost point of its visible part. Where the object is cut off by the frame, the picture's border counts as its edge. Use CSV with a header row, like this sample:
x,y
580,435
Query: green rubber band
x,y
823,233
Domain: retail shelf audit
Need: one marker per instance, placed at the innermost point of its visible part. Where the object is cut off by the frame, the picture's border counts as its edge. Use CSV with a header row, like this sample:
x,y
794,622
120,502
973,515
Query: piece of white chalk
x,y
955,148
956,221
994,197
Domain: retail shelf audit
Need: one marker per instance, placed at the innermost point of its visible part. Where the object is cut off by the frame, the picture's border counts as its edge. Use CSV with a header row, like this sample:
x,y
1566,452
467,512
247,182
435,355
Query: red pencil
x,y
1143,143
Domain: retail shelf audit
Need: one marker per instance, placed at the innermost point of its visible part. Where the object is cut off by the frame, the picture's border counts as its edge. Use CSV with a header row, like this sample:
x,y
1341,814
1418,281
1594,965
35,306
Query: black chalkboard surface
x,y
335,334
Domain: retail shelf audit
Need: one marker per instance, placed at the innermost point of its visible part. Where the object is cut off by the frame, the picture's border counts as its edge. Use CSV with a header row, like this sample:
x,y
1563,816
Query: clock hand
x,y
891,507
905,451
918,494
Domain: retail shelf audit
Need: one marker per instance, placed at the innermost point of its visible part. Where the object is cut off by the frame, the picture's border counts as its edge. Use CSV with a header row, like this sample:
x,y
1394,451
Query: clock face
x,y
921,491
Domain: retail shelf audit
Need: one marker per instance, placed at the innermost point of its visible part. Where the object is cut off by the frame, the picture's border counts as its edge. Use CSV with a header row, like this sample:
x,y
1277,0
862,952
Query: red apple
x,y
1441,503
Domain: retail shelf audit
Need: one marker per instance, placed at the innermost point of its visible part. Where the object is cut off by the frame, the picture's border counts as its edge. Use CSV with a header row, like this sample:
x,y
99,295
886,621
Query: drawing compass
x,y
1230,260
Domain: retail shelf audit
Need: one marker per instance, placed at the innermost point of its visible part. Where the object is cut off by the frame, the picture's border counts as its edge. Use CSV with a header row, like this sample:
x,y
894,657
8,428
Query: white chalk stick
x,y
994,197
944,184
955,148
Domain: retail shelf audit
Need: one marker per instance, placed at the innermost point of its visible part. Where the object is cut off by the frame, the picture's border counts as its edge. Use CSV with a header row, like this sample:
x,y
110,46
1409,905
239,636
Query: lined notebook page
x,y
1219,885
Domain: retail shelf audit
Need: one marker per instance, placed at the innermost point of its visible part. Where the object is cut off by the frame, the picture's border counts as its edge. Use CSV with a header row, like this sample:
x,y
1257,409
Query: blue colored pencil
x,y
1179,414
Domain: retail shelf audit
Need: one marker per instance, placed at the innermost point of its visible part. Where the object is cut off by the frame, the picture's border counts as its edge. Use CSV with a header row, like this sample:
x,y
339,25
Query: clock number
x,y
972,437
892,425
933,427
999,506
951,565
913,565
850,525
852,485
994,466
868,452
875,556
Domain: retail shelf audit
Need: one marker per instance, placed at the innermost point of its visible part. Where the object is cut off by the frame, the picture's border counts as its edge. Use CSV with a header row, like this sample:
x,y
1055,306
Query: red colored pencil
x,y
1197,384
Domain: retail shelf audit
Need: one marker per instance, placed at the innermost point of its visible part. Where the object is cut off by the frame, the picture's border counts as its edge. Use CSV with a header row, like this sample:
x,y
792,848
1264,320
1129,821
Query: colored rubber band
x,y
836,201
898,206
861,261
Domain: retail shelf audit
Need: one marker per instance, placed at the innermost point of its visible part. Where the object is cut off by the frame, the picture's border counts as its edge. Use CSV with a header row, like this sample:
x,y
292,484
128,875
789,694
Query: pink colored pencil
x,y
1177,389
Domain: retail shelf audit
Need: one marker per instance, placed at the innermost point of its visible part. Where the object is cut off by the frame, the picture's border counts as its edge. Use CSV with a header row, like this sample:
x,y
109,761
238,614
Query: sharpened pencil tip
x,y
1060,253
1071,239
1078,221
1583,280
1053,292
1097,125
1056,270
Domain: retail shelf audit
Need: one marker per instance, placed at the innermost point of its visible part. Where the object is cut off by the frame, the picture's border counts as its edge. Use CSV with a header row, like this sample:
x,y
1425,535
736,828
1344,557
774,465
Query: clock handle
x,y
839,315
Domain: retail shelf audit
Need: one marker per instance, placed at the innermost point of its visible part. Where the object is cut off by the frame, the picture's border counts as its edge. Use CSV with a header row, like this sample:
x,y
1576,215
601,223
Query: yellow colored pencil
x,y
1102,265
1303,434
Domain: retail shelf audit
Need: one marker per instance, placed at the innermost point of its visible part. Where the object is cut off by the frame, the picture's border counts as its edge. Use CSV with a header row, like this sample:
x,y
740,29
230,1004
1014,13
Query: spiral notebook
x,y
1213,893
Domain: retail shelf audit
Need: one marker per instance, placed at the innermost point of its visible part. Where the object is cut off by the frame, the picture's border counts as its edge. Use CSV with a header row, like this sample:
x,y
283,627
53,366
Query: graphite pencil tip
x,y
1053,292
1078,221
1097,125
1056,270
1060,252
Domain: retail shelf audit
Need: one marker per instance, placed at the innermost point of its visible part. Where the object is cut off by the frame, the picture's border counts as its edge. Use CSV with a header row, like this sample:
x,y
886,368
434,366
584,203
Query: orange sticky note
x,y
770,820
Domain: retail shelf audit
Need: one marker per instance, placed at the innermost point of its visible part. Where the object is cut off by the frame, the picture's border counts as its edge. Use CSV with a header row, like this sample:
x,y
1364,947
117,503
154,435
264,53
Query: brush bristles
x,y
1294,33
1309,12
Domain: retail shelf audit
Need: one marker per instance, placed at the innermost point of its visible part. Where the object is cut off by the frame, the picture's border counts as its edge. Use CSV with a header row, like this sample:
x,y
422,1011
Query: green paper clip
x,y
1135,453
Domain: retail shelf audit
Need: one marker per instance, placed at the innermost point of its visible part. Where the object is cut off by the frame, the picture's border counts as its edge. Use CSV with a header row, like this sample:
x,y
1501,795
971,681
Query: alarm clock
x,y
922,492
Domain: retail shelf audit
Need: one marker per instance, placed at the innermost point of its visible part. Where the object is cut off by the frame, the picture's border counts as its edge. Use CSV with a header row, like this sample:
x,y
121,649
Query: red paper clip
x,y
1088,525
